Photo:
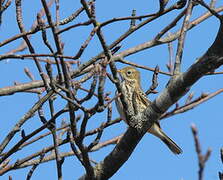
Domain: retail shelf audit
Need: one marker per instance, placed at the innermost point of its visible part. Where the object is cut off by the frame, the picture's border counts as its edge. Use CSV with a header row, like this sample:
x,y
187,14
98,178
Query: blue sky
x,y
151,159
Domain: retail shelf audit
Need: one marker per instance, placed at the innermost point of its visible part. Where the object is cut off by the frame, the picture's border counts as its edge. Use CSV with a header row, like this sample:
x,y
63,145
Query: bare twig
x,y
35,166
212,3
154,81
91,91
170,62
18,125
221,173
9,91
192,104
29,74
180,46
75,77
201,2
133,21
3,7
64,67
163,4
171,25
202,159
85,44
140,66
23,44
189,98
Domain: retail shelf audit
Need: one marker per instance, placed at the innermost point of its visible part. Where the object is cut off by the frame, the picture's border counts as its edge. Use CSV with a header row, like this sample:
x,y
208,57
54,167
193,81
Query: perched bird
x,y
138,102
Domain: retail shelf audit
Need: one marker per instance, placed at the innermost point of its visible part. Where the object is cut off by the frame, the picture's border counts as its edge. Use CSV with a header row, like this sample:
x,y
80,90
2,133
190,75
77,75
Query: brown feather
x,y
138,102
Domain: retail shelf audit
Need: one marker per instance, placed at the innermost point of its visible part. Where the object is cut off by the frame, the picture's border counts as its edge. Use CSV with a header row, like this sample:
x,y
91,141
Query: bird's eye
x,y
129,72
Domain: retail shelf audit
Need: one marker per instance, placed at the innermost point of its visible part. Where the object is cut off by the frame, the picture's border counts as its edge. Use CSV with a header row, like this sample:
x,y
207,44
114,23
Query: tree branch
x,y
175,89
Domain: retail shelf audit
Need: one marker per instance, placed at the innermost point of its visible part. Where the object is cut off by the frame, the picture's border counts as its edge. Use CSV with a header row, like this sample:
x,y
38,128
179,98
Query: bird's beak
x,y
120,74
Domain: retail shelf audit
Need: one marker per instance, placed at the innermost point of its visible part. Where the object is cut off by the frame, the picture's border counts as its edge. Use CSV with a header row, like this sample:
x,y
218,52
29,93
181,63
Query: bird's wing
x,y
142,97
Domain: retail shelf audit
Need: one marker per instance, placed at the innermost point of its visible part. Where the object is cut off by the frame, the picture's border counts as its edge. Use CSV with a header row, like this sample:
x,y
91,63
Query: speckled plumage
x,y
138,102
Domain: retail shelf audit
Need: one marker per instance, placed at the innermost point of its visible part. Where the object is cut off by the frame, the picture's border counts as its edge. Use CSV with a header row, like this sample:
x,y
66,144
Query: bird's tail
x,y
157,131
171,144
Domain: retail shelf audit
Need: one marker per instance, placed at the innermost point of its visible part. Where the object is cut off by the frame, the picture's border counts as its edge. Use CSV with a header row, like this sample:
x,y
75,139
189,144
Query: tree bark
x,y
176,88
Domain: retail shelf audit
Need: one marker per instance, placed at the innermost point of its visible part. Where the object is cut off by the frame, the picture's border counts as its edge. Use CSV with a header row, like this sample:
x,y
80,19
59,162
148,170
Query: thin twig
x,y
154,81
181,40
202,159
192,104
28,115
201,2
29,175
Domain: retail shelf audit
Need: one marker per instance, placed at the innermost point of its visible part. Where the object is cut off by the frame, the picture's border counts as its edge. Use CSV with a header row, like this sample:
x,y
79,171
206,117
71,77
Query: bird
x,y
138,102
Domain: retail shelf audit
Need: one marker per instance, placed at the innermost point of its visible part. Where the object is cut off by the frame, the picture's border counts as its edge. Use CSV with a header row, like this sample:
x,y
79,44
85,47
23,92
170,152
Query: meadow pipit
x,y
138,102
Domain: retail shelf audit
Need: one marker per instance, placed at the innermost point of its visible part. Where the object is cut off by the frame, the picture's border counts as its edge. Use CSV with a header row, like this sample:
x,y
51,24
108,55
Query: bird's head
x,y
130,74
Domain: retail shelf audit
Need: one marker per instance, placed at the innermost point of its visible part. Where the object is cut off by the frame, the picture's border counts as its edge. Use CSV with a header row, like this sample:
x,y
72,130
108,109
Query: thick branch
x,y
176,88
